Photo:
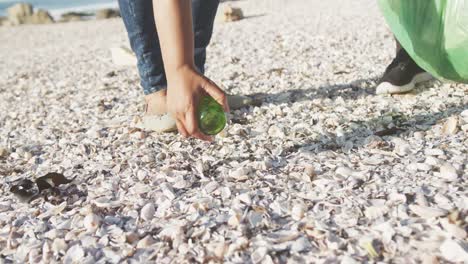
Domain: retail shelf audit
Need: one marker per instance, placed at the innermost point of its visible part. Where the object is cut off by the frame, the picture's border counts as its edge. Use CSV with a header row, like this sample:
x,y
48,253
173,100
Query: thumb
x,y
214,91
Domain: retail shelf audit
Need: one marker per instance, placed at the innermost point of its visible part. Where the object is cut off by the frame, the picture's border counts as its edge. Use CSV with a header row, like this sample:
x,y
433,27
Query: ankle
x,y
156,103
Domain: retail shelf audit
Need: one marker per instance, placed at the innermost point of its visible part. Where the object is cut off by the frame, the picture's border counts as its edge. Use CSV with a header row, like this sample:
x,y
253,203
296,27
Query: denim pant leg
x,y
138,17
139,21
203,13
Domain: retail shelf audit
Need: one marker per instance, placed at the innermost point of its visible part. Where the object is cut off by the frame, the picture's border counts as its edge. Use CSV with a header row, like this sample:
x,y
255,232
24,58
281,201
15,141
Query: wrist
x,y
173,72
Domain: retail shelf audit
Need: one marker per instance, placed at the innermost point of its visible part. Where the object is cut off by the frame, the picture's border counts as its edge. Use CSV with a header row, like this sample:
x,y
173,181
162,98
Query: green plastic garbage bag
x,y
433,32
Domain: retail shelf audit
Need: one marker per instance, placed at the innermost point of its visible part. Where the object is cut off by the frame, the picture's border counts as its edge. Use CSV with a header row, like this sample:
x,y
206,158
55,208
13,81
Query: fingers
x,y
214,91
191,124
181,128
188,126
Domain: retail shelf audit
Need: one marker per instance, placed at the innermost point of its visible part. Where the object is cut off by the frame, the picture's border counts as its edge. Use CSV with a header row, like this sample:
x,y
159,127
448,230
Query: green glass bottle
x,y
211,117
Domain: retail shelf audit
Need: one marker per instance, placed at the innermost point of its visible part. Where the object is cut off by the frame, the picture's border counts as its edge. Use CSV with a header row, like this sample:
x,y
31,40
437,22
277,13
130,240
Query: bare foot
x,y
156,118
156,103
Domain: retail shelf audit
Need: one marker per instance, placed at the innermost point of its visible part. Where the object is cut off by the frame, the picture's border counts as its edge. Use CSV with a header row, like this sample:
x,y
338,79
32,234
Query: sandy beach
x,y
323,170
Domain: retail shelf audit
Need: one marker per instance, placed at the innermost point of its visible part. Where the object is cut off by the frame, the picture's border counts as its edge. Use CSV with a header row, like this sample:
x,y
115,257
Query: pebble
x,y
433,161
147,212
427,212
434,152
451,126
145,242
4,152
91,222
298,211
448,172
74,254
59,245
453,251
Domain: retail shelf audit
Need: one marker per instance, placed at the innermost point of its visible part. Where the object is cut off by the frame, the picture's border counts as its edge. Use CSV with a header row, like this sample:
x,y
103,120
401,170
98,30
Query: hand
x,y
185,89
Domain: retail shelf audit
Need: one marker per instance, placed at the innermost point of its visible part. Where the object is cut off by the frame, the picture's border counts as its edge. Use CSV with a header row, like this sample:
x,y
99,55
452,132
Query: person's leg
x,y
204,13
138,18
402,74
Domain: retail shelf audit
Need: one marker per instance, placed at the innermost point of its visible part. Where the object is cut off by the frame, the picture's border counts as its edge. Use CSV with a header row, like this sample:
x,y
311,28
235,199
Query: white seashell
x,y
238,244
419,135
5,206
211,187
225,193
452,251
344,171
300,245
70,236
59,245
421,199
254,218
374,212
241,174
298,211
28,155
65,224
448,172
111,255
220,250
453,229
141,175
181,184
245,198
427,212
91,222
433,161
464,128
451,126
434,152
183,249
259,254
146,242
46,252
283,236
168,191
348,260
174,233
402,147
22,253
74,255
235,219
276,132
89,241
116,235
396,198
147,212
103,202
423,167
58,209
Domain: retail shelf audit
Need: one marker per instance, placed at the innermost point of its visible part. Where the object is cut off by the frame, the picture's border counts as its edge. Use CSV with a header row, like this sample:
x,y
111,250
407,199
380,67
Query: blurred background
x,y
57,8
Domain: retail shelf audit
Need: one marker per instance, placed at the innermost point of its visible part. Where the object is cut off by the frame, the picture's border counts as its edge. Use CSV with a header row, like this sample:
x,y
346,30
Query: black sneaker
x,y
401,75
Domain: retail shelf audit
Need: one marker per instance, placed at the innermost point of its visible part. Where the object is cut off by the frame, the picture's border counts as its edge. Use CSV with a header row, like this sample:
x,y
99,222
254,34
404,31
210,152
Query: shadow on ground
x,y
405,124
349,91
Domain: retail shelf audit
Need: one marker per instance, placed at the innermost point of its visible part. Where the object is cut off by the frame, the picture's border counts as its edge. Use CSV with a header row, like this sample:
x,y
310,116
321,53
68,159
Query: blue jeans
x,y
139,21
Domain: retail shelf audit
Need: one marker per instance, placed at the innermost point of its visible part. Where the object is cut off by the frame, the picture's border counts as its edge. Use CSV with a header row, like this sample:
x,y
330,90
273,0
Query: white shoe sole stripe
x,y
388,88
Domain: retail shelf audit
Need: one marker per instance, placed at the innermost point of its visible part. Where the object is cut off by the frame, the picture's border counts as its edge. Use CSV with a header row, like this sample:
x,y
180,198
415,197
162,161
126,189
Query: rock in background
x,y
107,13
74,16
232,14
22,13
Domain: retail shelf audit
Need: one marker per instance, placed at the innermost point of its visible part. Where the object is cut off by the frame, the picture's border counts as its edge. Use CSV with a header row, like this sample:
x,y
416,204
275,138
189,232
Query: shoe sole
x,y
388,88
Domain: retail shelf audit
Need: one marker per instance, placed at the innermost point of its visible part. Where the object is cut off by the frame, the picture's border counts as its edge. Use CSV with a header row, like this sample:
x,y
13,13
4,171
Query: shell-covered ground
x,y
322,170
